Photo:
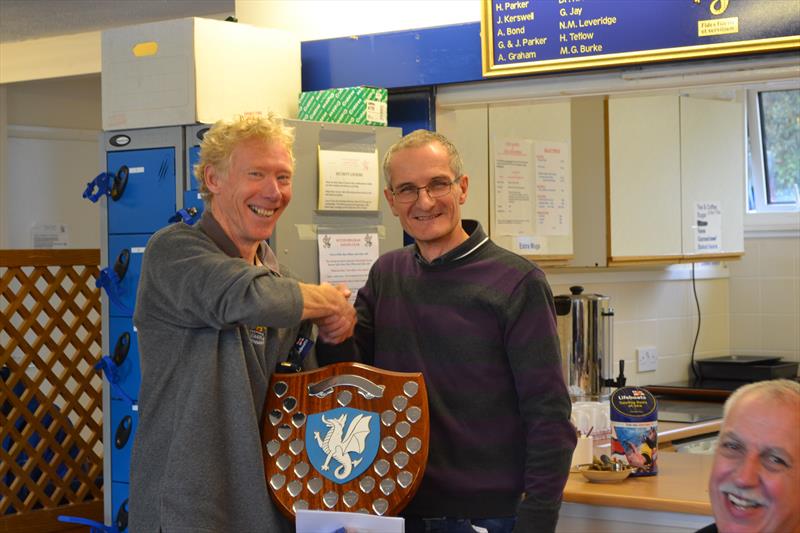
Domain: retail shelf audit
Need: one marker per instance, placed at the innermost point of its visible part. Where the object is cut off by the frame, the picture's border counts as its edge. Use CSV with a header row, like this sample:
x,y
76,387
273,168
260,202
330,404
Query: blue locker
x,y
124,345
154,162
125,249
124,421
148,199
119,505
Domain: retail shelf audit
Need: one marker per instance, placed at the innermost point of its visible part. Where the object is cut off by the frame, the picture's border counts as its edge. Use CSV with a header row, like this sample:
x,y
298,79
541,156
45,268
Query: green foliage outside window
x,y
780,120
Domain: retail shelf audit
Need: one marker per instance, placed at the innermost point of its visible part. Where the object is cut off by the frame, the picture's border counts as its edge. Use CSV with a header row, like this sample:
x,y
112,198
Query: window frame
x,y
756,169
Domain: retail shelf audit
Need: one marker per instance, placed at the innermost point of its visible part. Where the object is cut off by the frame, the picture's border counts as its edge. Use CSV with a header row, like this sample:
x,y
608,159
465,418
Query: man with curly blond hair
x,y
215,314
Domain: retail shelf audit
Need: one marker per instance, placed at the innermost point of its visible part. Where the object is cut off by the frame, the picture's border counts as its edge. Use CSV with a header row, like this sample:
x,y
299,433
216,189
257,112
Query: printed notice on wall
x,y
513,187
348,181
49,236
708,227
346,258
553,189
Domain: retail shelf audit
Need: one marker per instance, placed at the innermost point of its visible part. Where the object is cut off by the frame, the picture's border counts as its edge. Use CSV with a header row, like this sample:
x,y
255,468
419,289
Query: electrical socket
x,y
647,358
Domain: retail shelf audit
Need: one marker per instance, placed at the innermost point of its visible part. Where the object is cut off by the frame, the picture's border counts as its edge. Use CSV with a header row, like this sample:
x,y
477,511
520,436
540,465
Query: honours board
x,y
527,36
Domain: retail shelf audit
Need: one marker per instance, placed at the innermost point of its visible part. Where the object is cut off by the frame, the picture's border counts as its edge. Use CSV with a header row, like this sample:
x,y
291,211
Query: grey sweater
x,y
211,329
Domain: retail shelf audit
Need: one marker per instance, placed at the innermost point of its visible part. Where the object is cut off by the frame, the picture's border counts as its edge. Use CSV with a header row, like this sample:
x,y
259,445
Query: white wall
x,y
323,19
52,129
650,310
765,298
79,54
46,178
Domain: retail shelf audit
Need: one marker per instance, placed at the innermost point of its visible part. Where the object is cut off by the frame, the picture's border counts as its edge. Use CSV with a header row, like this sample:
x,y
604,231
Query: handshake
x,y
327,306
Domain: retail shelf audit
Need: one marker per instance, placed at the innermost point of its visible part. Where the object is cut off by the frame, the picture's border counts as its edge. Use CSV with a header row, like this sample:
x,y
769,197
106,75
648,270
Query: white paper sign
x,y
529,244
553,189
50,236
348,181
308,521
347,258
708,227
513,187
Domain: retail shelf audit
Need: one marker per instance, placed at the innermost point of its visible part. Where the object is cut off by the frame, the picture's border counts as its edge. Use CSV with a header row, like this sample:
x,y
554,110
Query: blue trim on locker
x,y
148,199
135,244
412,58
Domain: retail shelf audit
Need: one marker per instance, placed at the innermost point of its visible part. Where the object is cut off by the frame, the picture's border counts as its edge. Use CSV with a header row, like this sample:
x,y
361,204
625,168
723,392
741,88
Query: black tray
x,y
724,368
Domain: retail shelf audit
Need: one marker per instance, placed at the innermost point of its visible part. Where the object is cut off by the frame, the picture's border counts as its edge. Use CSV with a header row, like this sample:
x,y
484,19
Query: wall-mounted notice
x,y
525,36
513,187
346,258
708,227
49,236
532,186
348,181
553,189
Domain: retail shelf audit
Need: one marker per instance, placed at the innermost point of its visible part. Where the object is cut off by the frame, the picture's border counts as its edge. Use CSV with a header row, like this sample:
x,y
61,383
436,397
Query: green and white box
x,y
348,105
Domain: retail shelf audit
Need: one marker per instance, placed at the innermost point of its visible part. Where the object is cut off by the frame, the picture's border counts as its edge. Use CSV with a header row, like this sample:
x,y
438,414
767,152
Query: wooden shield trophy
x,y
347,437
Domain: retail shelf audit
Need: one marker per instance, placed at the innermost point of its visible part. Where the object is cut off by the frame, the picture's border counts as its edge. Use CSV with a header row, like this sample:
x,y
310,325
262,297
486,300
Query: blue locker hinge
x,y
189,215
110,367
111,277
107,184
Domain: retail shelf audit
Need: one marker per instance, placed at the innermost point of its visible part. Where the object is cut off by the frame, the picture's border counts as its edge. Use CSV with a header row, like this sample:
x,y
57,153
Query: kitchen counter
x,y
681,486
675,500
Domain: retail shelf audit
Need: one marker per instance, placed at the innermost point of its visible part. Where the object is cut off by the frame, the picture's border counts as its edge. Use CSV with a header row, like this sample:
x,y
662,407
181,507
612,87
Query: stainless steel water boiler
x,y
585,330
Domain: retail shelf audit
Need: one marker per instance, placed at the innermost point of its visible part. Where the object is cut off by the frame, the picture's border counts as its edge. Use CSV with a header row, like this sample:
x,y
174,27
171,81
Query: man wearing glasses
x,y
479,322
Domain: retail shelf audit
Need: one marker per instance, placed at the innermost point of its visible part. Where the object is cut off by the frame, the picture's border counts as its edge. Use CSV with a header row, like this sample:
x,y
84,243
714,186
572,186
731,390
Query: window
x,y
773,181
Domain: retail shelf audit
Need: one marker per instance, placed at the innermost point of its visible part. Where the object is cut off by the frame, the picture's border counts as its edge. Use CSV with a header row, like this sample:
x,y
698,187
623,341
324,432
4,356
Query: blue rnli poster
x,y
342,443
525,36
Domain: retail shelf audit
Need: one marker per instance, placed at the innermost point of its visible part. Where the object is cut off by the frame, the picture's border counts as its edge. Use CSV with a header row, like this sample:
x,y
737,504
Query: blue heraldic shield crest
x,y
342,443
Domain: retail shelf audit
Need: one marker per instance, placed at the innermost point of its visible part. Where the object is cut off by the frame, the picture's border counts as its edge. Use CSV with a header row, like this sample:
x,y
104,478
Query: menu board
x,y
529,36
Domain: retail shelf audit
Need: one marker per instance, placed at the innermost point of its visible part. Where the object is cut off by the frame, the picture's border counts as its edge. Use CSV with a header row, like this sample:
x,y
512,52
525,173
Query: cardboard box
x,y
195,70
348,105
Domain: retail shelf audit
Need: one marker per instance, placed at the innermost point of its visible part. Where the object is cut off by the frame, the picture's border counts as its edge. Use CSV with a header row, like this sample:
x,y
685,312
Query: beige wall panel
x,y
467,128
644,175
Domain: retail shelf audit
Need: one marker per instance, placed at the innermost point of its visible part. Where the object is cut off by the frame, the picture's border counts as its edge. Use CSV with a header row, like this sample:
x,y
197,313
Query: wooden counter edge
x,y
689,430
647,503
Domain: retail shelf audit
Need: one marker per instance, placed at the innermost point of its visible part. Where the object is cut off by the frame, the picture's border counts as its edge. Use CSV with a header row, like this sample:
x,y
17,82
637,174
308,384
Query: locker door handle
x,y
120,181
122,263
123,432
121,348
122,516
110,278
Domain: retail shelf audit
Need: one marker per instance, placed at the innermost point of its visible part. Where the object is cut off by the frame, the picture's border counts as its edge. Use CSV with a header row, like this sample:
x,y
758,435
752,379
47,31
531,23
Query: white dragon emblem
x,y
339,447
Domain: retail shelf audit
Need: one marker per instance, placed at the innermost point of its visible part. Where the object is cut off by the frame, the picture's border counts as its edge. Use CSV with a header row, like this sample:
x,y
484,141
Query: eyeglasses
x,y
437,188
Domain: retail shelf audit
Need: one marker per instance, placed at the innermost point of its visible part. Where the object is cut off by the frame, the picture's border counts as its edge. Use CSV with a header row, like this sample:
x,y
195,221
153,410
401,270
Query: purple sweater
x,y
479,323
